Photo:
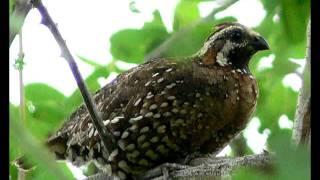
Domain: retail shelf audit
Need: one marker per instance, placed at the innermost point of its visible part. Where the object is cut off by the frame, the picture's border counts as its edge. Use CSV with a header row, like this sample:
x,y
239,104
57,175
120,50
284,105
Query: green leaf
x,y
14,150
290,163
274,100
11,6
185,13
34,151
190,40
270,6
38,92
49,110
89,62
131,45
39,128
294,17
41,172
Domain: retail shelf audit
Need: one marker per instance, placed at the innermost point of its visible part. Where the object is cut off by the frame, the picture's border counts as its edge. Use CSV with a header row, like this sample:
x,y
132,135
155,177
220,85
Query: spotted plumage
x,y
165,109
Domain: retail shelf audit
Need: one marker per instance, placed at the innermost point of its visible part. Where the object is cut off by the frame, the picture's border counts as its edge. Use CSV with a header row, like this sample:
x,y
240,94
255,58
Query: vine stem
x,y
19,65
21,84
104,133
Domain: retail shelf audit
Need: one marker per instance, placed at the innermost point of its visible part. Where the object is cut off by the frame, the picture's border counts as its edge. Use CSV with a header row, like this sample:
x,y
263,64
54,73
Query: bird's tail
x,y
57,145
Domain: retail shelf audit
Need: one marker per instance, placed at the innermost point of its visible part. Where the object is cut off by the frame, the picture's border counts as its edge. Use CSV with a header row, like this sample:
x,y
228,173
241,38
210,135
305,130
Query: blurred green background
x,y
284,27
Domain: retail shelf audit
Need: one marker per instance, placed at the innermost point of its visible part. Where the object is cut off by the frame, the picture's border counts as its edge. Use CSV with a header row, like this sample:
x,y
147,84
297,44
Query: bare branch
x,y
302,129
21,9
222,166
217,167
103,132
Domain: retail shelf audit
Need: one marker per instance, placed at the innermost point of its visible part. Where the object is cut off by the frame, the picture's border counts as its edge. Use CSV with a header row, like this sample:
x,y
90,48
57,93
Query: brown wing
x,y
77,136
158,112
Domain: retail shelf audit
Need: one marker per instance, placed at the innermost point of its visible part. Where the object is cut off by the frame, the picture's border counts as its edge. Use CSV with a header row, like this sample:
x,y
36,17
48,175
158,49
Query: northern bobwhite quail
x,y
165,109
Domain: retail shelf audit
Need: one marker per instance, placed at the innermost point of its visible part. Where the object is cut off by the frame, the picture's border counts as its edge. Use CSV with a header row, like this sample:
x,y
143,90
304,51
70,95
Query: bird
x,y
168,108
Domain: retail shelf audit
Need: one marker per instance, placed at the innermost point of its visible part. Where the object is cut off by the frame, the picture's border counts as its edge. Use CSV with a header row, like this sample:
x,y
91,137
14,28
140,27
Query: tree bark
x,y
302,129
204,168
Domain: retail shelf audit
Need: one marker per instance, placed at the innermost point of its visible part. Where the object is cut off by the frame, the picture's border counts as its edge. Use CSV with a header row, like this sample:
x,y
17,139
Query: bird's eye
x,y
236,35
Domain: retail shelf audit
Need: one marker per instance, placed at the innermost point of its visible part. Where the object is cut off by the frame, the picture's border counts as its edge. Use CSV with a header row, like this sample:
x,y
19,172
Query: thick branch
x,y
220,167
302,129
103,132
163,48
21,9
209,167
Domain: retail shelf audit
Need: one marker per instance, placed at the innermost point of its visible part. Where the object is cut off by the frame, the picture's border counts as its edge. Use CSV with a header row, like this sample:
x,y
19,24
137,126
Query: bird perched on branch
x,y
166,109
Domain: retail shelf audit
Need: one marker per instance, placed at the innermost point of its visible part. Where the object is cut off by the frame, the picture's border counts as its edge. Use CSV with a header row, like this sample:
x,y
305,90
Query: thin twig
x,y
21,84
21,174
19,66
103,132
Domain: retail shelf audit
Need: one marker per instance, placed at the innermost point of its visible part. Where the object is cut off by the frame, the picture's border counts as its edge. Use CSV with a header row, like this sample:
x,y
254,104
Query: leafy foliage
x,y
22,143
132,44
181,18
47,108
11,6
290,163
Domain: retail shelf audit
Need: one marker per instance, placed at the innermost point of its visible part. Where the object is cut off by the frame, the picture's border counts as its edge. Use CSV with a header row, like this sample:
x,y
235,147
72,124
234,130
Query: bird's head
x,y
231,44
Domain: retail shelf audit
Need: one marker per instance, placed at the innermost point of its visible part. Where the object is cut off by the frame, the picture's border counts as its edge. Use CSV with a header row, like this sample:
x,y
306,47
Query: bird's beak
x,y
259,43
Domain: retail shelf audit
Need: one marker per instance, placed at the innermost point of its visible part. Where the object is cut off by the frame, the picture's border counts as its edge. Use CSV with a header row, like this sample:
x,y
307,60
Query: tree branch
x,y
21,9
211,167
219,166
103,132
302,129
160,50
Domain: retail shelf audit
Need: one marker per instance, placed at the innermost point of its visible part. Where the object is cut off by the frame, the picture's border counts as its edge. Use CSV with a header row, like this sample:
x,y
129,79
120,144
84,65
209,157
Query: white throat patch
x,y
221,59
222,55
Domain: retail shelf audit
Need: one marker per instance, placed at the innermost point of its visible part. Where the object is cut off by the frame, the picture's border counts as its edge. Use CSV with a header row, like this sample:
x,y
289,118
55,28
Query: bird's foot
x,y
167,167
191,157
163,170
